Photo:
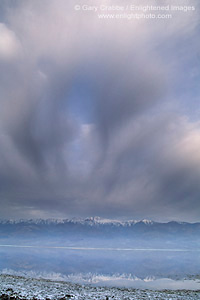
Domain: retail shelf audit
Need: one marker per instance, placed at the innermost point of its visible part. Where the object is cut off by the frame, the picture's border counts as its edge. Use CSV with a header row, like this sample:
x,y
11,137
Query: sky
x,y
99,117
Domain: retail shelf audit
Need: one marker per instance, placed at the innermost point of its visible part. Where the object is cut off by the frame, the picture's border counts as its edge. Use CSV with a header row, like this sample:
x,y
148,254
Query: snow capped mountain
x,y
103,221
148,222
100,232
91,221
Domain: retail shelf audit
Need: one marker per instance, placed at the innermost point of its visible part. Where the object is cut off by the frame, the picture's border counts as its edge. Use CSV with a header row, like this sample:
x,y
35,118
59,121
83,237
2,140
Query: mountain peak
x,y
147,222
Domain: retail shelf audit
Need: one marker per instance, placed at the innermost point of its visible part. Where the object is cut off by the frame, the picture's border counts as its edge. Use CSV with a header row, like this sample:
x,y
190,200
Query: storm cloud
x,y
98,117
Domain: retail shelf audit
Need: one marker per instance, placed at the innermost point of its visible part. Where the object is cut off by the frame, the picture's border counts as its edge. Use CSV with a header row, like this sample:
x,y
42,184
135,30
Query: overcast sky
x,y
98,117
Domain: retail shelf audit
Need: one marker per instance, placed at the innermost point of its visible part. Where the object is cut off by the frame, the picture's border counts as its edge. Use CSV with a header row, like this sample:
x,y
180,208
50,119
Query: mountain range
x,y
98,232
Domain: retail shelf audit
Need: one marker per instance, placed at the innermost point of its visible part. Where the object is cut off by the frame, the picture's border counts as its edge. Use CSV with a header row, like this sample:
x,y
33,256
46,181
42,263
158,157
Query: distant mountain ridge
x,y
99,232
88,221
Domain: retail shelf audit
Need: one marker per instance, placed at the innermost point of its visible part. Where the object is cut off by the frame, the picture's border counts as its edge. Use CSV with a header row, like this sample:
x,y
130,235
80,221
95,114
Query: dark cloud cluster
x,y
93,120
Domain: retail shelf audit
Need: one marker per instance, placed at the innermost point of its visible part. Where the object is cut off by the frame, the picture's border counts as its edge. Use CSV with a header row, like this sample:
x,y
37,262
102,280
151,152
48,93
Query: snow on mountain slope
x,y
88,221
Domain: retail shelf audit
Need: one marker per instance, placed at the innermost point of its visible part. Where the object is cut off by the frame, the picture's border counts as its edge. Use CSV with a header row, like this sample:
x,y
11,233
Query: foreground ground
x,y
15,287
